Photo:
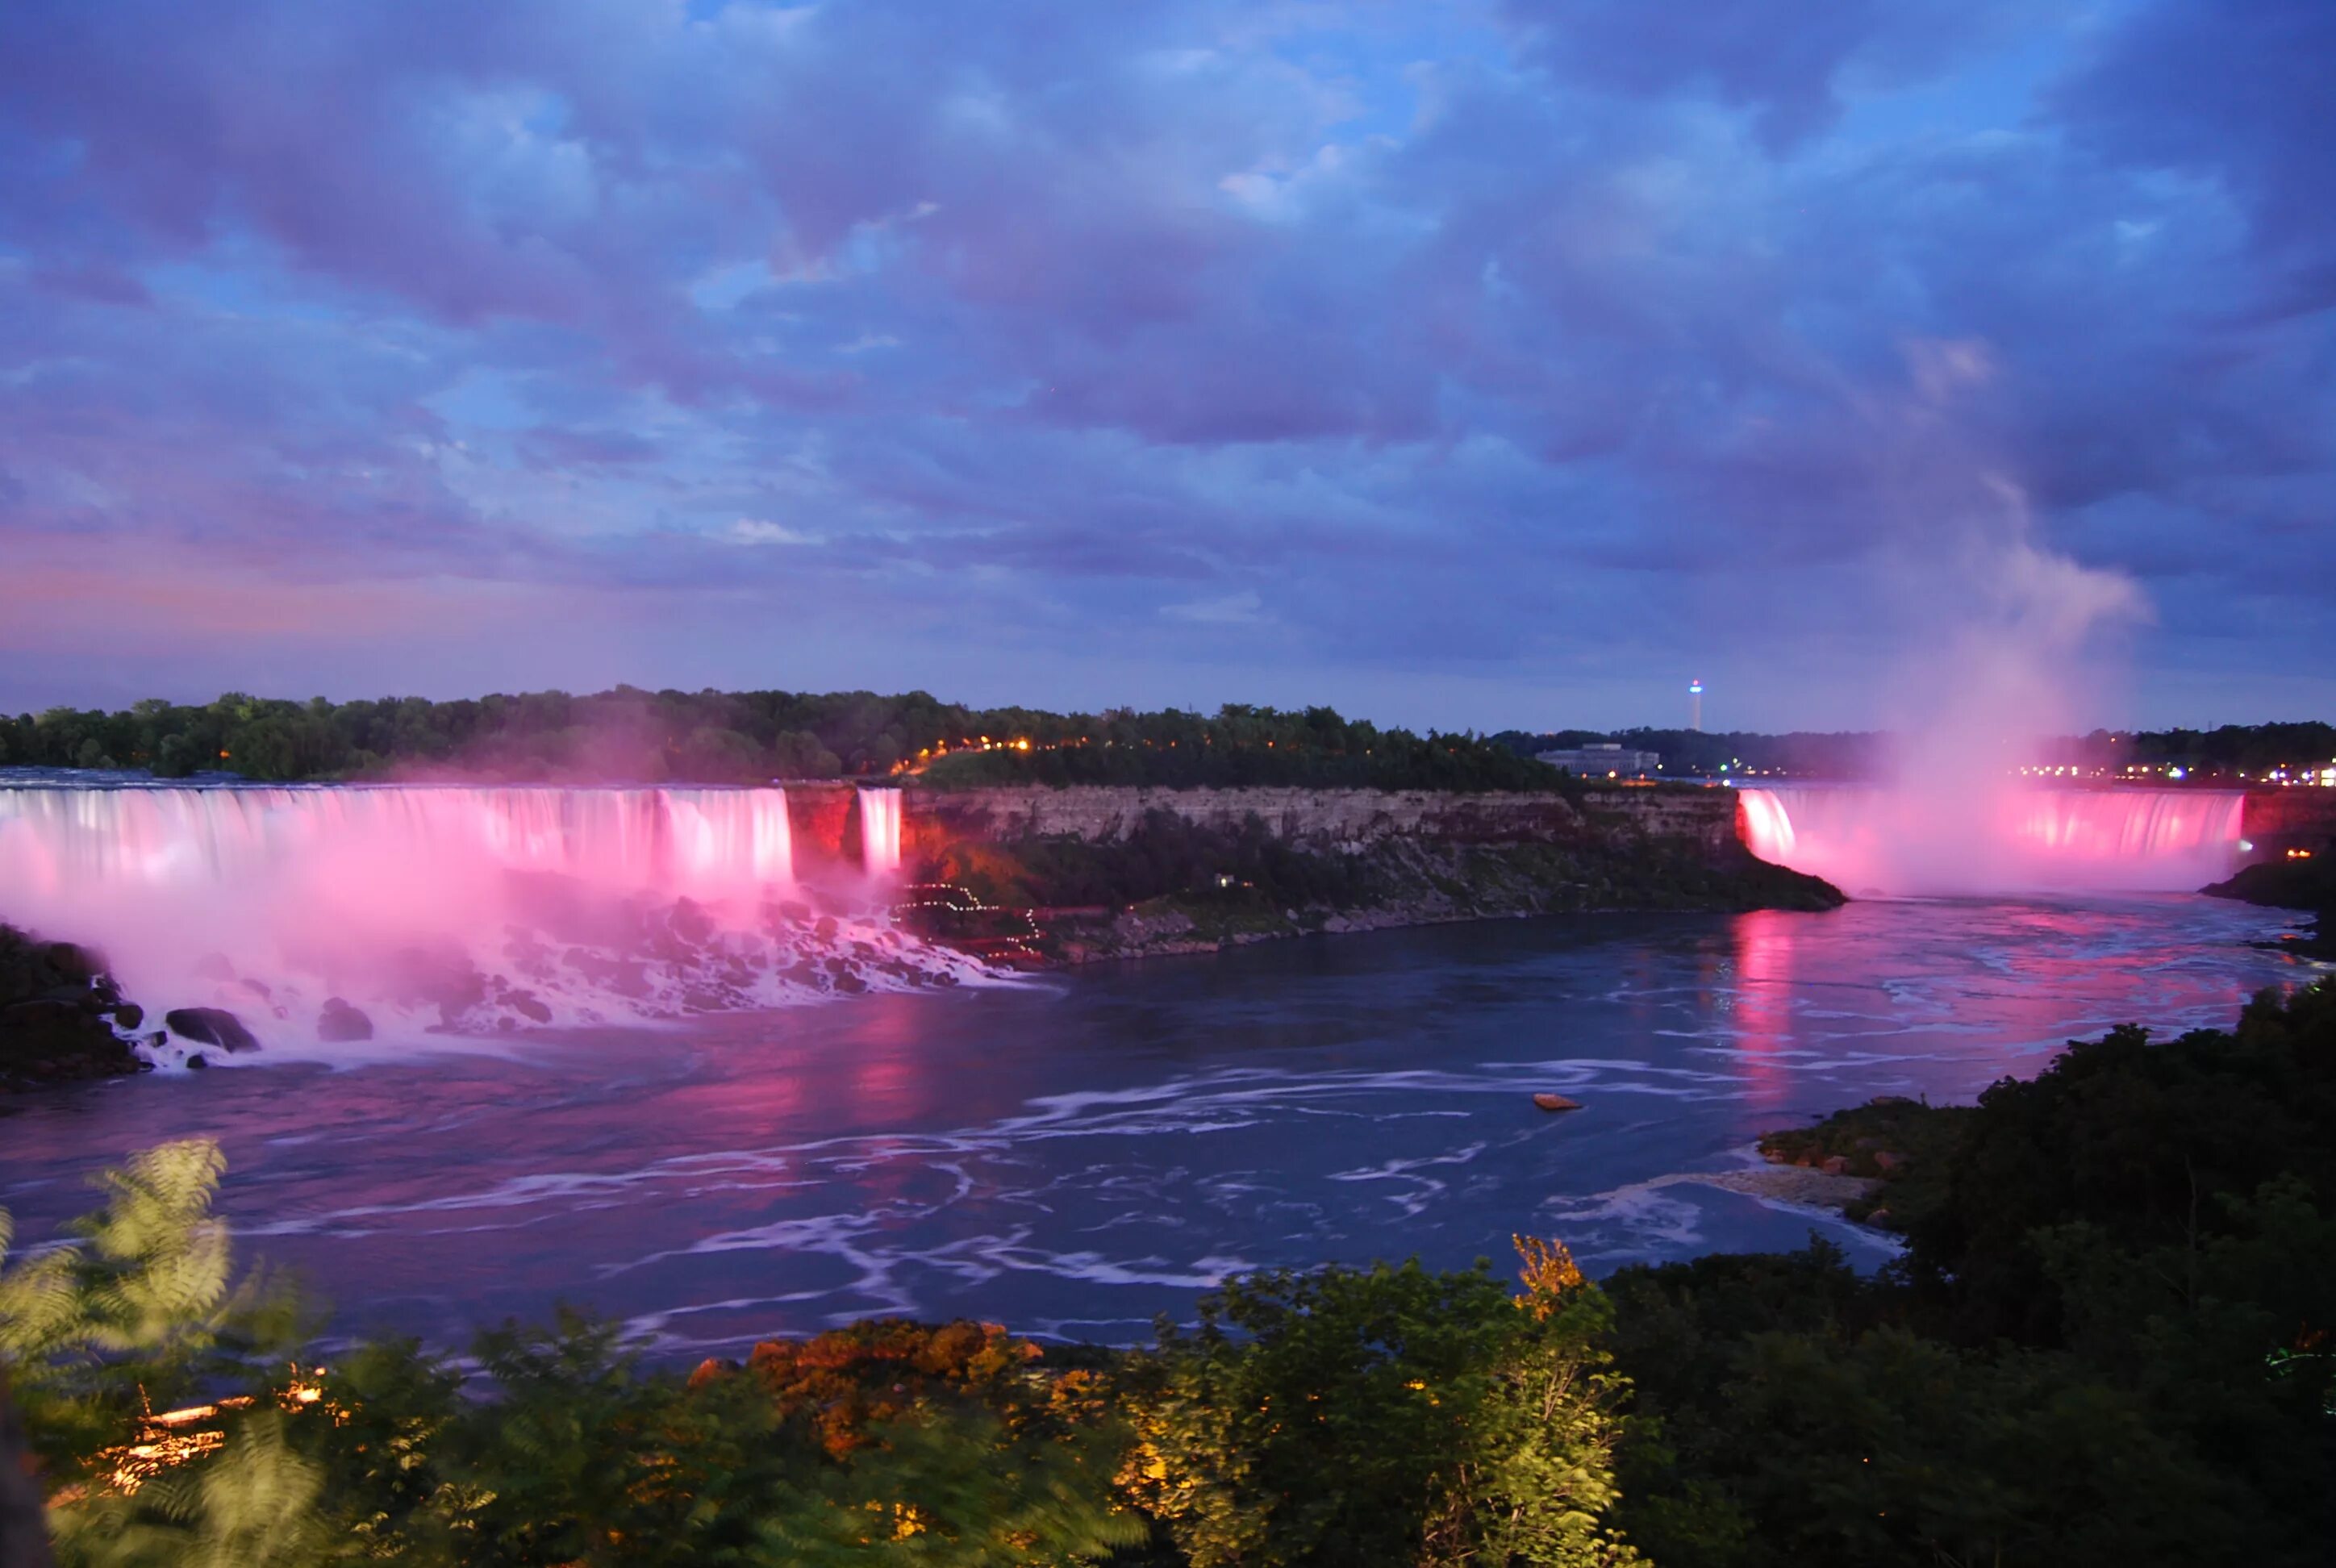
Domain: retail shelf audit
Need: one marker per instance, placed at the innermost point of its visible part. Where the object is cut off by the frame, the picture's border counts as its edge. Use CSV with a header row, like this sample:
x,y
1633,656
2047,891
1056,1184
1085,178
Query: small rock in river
x,y
1556,1102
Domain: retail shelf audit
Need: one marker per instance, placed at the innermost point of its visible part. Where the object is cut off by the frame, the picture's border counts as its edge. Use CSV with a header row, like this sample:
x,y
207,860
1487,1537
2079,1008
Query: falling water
x,y
879,831
444,907
693,843
2017,840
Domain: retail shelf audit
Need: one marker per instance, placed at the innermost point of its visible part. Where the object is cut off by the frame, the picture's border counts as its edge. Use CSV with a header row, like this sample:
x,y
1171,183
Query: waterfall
x,y
2015,840
443,908
691,843
879,831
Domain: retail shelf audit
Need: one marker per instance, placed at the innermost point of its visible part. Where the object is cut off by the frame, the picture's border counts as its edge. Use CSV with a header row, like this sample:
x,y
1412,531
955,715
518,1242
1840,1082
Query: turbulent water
x,y
1076,1154
437,907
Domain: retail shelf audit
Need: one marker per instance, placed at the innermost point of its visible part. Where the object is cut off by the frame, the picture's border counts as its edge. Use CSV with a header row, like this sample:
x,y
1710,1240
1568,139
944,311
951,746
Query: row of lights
x,y
956,900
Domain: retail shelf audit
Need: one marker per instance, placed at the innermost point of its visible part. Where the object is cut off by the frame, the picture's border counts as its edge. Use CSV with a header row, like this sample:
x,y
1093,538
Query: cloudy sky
x,y
1483,363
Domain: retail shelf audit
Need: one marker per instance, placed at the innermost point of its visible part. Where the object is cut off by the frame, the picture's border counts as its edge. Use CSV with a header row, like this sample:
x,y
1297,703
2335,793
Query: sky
x,y
1491,364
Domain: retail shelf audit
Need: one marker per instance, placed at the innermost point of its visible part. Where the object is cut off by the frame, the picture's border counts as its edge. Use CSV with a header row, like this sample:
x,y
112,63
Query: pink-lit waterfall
x,y
2012,841
448,906
879,831
693,843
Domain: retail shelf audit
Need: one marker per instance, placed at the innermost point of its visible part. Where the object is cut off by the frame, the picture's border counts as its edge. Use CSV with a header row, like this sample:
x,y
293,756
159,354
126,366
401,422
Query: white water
x,y
879,831
2013,841
694,842
446,907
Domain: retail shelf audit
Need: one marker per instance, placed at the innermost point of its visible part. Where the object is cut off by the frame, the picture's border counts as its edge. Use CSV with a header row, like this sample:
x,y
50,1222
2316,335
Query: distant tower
x,y
1694,706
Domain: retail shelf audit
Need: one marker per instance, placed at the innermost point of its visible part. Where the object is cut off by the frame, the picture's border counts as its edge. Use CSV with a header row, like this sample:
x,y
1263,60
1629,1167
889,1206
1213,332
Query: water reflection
x,y
1078,1155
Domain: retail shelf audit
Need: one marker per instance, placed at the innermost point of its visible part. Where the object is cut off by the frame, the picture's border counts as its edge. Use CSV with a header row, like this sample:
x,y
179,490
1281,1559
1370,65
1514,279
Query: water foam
x,y
447,909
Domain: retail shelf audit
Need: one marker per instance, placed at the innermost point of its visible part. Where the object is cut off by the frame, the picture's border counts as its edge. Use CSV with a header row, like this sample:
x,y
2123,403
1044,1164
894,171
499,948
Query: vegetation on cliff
x,y
749,737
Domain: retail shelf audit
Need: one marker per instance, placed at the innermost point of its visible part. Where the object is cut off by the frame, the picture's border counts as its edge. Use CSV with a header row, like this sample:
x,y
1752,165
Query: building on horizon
x,y
1603,759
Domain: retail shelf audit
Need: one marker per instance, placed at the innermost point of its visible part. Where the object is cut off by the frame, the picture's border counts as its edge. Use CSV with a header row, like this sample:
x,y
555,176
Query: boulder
x,y
128,1016
339,1021
211,1027
1835,1166
1889,1162
49,1026
1556,1102
46,1040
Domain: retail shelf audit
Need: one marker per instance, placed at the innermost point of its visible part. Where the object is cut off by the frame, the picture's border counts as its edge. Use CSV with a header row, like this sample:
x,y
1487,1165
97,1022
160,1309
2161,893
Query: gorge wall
x,y
1347,820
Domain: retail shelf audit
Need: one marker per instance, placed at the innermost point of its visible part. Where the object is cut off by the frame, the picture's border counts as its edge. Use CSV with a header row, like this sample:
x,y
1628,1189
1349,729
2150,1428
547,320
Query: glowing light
x,y
1899,842
879,831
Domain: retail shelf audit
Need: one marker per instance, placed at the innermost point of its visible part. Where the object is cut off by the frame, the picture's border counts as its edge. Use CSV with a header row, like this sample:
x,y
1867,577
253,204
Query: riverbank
x,y
2305,881
1418,883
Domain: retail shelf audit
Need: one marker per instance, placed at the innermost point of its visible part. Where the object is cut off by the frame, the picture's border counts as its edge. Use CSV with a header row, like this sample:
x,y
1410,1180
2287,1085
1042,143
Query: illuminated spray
x,y
1998,653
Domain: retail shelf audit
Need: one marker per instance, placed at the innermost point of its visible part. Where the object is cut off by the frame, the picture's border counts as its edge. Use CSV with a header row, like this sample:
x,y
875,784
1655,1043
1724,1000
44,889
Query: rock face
x,y
339,1022
1345,818
59,1011
211,1027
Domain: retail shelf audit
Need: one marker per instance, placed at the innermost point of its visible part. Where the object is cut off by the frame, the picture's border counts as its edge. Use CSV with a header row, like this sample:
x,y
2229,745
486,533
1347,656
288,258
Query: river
x,y
1077,1153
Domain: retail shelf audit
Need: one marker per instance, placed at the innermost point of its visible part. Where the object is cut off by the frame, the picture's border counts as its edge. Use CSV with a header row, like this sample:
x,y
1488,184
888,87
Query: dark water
x,y
1076,1155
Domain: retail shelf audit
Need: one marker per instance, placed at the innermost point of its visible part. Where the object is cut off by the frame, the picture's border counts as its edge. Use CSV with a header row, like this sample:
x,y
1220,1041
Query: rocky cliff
x,y
1347,820
1125,873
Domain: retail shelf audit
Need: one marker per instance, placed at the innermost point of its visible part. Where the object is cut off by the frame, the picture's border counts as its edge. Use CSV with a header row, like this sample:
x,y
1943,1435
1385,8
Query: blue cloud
x,y
1449,362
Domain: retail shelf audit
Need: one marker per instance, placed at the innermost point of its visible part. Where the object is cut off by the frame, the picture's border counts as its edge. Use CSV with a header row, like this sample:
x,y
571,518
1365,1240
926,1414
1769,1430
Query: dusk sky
x,y
1494,363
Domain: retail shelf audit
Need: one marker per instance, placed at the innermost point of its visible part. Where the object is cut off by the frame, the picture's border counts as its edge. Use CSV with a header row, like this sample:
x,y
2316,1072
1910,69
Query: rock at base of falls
x,y
339,1021
211,1027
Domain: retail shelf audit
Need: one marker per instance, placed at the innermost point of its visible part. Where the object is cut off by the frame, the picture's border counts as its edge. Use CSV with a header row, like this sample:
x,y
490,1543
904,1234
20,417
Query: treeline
x,y
2254,750
1700,754
2111,1341
1244,745
630,736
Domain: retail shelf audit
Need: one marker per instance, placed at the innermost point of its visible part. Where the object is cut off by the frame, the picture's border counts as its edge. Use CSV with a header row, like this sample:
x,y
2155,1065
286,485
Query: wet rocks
x,y
58,1009
1556,1102
211,1027
340,1022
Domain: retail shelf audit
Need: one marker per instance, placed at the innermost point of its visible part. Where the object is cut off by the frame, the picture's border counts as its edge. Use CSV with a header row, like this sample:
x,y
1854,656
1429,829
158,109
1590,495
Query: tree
x,y
1383,1416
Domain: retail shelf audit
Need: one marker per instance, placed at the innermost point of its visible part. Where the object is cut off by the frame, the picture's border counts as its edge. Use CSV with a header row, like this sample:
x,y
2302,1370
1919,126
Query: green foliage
x,y
1910,1146
252,1505
567,1450
2109,1342
1241,746
1382,1416
747,738
2134,1138
135,1305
